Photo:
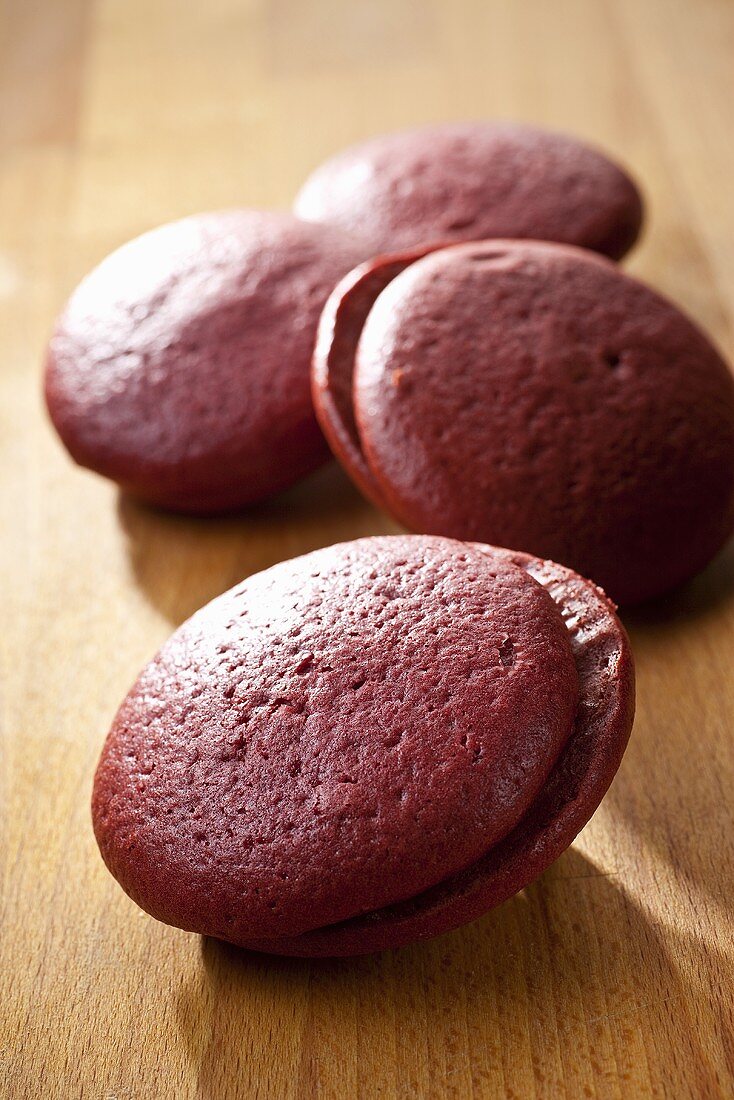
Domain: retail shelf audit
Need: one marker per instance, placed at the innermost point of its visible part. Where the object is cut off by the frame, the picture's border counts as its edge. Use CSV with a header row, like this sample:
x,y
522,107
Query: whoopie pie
x,y
364,746
532,395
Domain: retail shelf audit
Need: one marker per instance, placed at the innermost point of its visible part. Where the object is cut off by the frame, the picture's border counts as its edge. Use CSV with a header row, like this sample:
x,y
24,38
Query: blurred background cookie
x,y
180,366
465,181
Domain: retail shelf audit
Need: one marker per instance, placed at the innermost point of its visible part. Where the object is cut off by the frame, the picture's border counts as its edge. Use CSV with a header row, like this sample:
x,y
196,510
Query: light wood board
x,y
612,975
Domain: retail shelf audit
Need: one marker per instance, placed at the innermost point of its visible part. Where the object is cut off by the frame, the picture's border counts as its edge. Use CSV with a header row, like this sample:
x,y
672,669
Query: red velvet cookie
x,y
339,329
471,181
179,367
532,395
363,746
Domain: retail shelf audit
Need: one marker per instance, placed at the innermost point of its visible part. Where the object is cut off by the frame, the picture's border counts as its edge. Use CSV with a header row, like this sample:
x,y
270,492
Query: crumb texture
x,y
569,797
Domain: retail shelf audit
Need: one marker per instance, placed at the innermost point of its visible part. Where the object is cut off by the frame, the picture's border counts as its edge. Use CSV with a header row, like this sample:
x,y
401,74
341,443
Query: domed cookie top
x,y
351,731
179,367
338,733
475,180
534,396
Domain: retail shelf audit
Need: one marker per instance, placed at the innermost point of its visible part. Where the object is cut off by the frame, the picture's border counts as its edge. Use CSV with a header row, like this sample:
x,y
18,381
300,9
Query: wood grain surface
x,y
611,976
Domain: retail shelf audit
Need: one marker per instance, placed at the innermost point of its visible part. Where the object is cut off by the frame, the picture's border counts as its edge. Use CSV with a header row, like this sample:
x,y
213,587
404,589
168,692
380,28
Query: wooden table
x,y
612,975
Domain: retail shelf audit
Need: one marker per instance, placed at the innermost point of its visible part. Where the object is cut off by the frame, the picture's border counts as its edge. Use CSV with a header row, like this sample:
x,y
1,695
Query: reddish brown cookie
x,y
532,395
338,333
179,367
352,732
471,181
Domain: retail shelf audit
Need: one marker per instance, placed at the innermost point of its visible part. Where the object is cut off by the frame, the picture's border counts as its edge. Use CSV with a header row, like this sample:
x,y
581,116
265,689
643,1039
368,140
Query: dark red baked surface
x,y
532,395
363,746
180,366
470,181
332,368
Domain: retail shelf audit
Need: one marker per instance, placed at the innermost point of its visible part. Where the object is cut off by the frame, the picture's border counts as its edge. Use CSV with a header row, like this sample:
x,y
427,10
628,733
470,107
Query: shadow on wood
x,y
709,592
564,985
671,792
182,562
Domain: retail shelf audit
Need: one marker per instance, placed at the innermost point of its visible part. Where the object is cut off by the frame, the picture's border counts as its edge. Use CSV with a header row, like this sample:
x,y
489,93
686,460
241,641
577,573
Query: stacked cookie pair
x,y
380,741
